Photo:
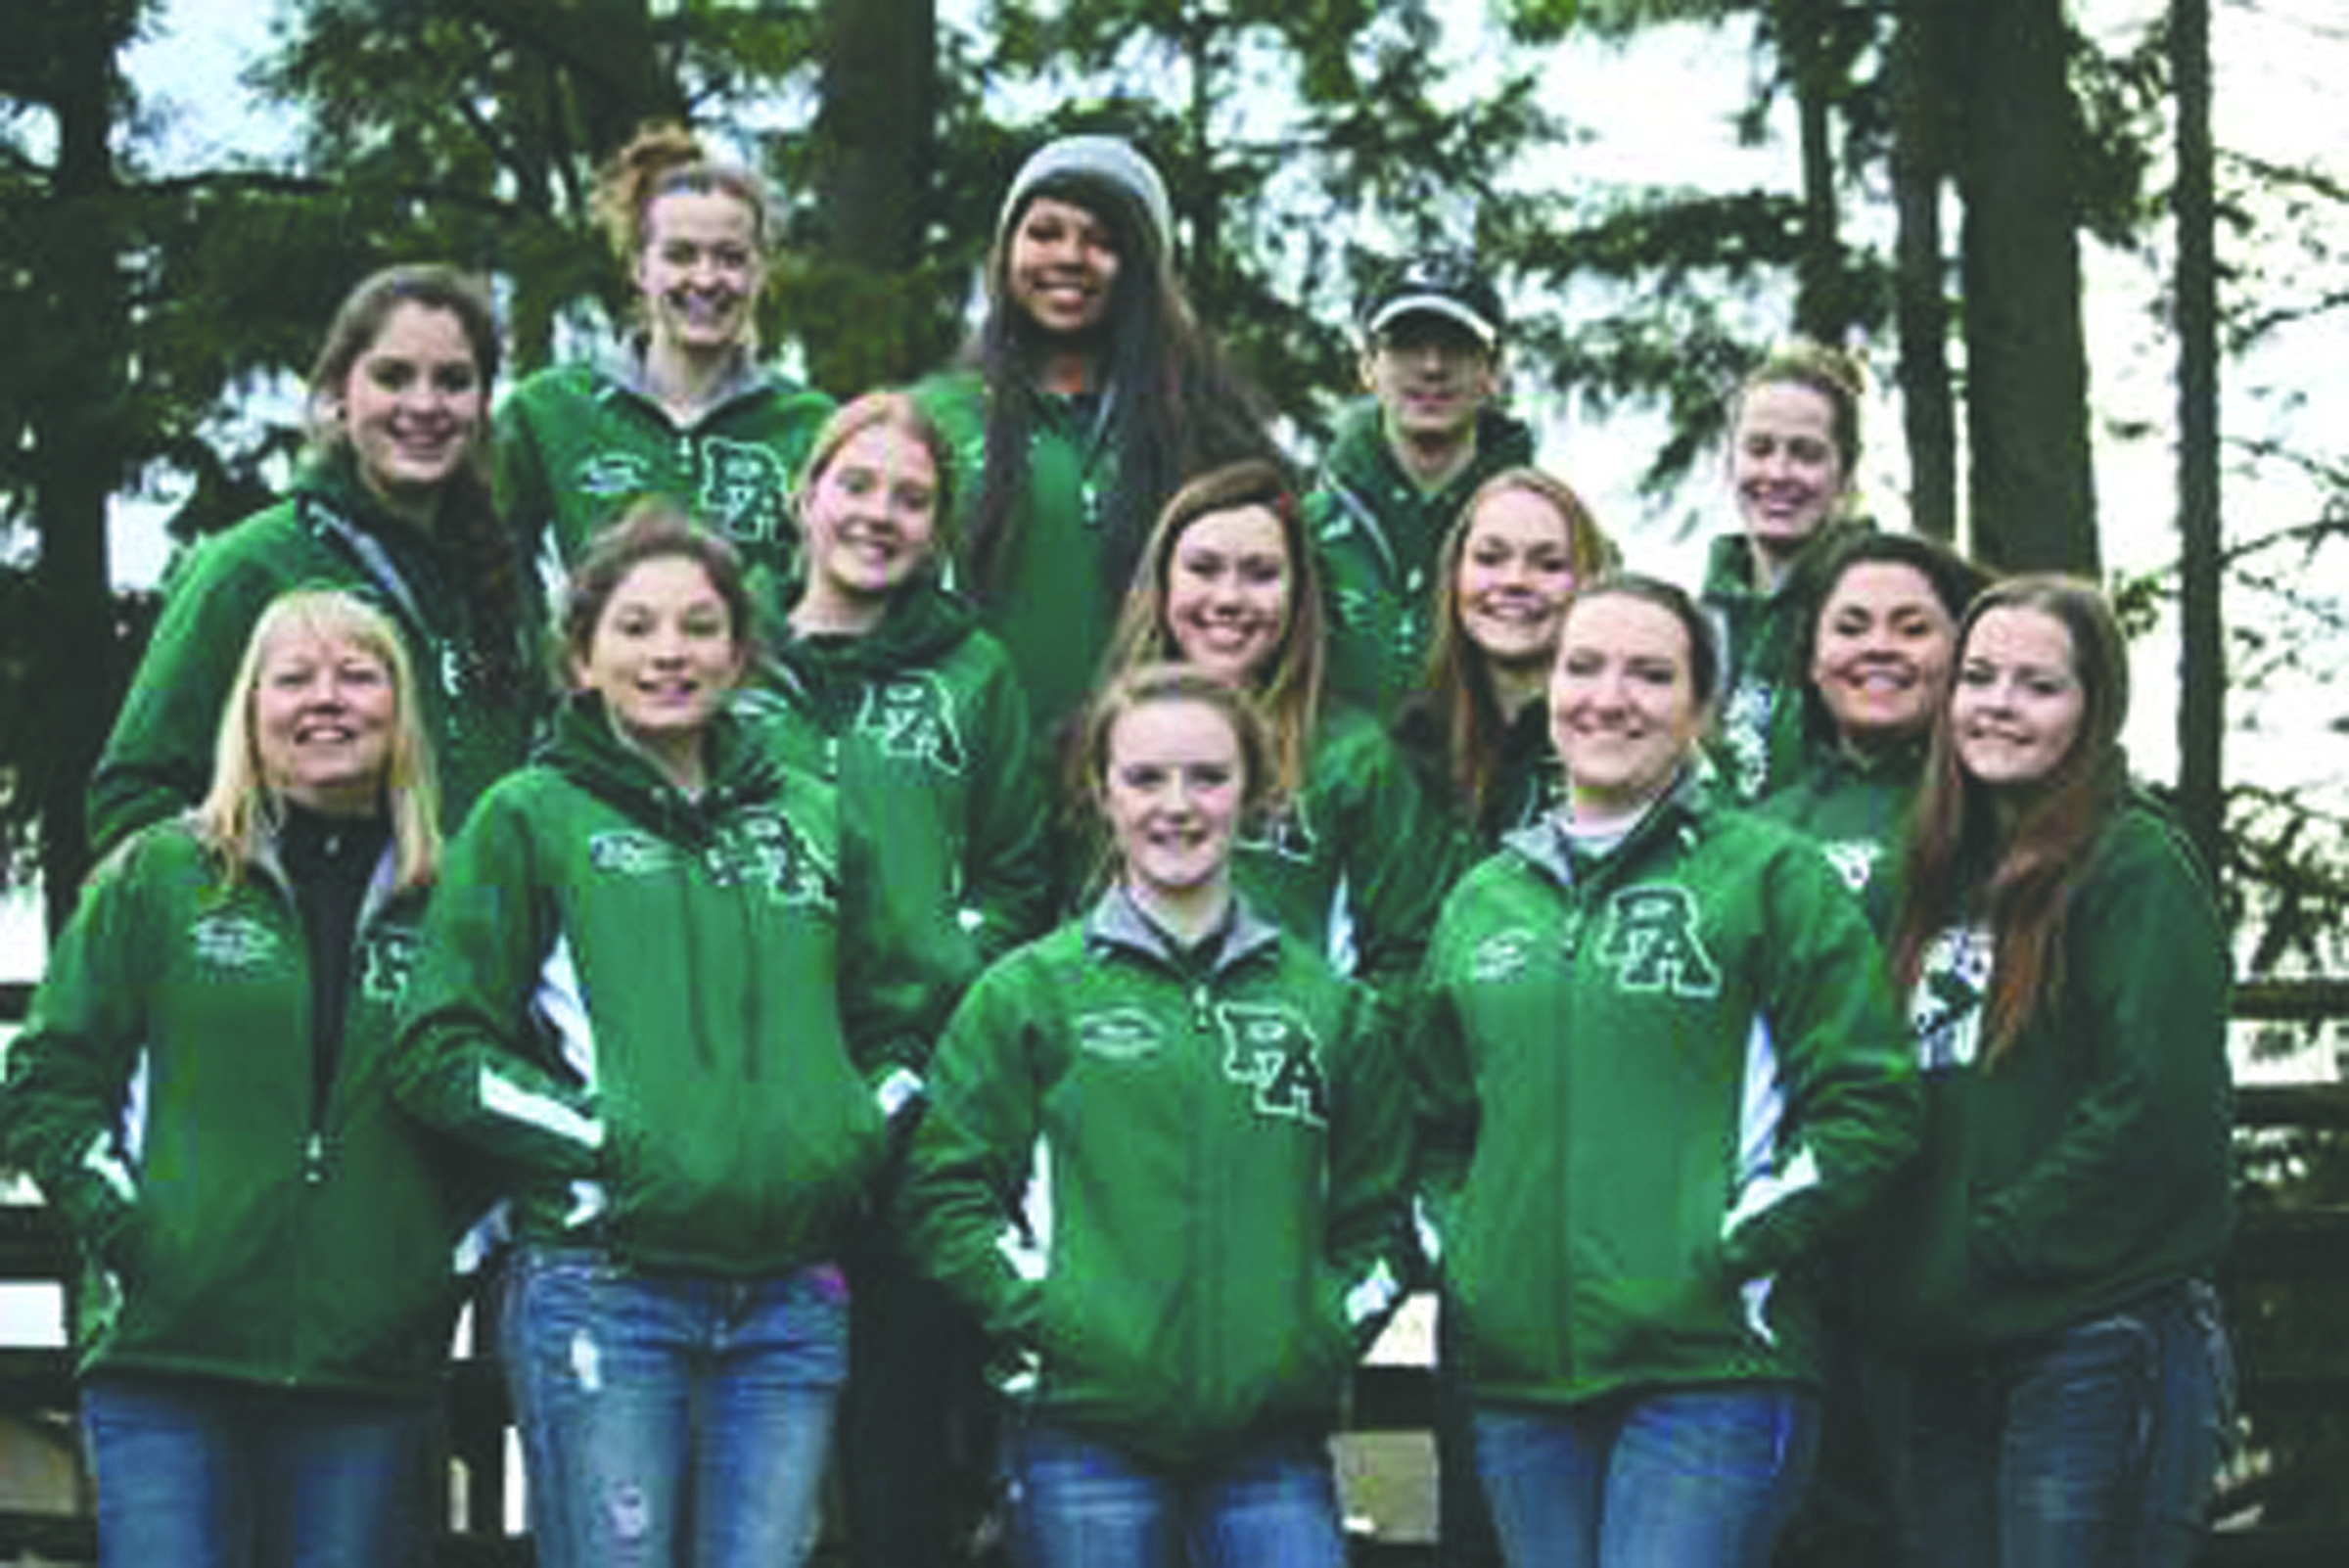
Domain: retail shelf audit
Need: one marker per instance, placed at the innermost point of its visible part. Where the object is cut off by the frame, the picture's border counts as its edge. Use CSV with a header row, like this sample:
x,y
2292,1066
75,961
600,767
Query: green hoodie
x,y
1206,1155
578,444
1857,809
1762,744
924,725
2091,1167
1654,1085
1056,614
329,534
165,1096
1523,787
646,1004
1379,535
1360,861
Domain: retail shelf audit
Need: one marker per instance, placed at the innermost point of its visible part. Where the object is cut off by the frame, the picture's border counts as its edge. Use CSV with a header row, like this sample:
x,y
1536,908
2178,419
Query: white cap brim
x,y
1433,304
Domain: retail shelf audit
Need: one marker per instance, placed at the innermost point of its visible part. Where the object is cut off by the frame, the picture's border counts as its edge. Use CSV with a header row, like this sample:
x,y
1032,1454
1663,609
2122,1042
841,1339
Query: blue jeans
x,y
1081,1503
1700,1477
2094,1449
213,1475
671,1419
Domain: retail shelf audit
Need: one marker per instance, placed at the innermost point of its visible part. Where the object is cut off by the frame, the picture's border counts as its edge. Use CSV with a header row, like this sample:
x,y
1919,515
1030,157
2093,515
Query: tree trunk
x,y
78,450
2033,493
2201,652
1823,307
1921,71
876,138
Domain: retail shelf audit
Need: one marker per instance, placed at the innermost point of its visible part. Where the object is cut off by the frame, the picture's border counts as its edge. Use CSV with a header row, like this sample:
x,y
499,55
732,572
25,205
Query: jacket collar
x,y
1115,922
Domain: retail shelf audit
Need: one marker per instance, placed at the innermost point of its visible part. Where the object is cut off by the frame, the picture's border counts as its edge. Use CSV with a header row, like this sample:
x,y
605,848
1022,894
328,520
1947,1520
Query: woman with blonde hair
x,y
685,407
201,1092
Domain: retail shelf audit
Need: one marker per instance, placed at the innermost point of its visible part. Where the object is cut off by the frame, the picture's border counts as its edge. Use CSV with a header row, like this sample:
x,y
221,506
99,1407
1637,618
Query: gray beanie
x,y
1107,159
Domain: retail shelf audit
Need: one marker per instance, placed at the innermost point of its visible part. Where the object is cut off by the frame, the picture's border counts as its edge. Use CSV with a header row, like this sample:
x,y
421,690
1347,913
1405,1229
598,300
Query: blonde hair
x,y
660,159
237,812
889,410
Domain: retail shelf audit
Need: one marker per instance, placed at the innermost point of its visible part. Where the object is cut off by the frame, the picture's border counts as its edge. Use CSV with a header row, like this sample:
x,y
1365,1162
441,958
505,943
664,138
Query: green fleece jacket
x,y
924,725
577,444
329,533
1169,1185
1653,1087
1379,535
165,1096
1052,613
1857,809
2091,1165
1358,863
645,1005
1762,743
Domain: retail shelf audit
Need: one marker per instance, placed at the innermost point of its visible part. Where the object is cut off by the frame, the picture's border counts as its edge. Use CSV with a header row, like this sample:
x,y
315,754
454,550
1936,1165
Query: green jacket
x,y
1359,863
1379,536
1762,743
924,725
1170,1185
328,533
1524,788
2091,1166
1055,614
577,444
1857,809
1653,1087
644,1004
165,1096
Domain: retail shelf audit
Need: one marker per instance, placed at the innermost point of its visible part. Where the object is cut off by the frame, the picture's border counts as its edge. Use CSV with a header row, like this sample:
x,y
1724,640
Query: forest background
x,y
1928,180
2095,255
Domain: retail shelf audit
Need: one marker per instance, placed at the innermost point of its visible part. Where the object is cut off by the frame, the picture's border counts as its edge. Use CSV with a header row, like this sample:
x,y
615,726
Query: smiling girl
x,y
2048,1273
392,503
1479,729
1660,1069
685,408
1164,1163
645,990
886,680
1090,394
1350,855
1794,448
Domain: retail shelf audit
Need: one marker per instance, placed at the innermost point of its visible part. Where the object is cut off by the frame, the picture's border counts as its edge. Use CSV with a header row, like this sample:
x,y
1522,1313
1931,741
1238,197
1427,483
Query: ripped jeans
x,y
671,1418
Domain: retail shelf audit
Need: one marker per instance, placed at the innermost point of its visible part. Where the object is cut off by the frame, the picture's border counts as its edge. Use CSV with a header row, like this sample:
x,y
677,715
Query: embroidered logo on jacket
x,y
1854,860
1271,1048
613,473
764,850
1502,954
911,719
1653,942
236,942
1953,978
1119,1034
627,852
385,962
742,488
1285,835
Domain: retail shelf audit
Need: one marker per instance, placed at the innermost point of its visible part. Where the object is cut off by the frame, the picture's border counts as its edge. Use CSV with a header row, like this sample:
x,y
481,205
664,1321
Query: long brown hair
x,y
1289,692
482,558
1457,693
2018,879
1173,405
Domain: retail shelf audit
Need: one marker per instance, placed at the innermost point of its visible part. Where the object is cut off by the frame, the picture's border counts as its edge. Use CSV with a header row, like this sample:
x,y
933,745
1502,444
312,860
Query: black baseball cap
x,y
1438,284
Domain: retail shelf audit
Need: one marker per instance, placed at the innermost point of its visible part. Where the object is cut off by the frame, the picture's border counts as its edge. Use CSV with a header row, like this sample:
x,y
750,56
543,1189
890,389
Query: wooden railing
x,y
2309,1246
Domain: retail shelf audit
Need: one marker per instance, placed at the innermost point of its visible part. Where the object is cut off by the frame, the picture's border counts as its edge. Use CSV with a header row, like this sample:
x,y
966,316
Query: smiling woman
x,y
685,410
393,504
